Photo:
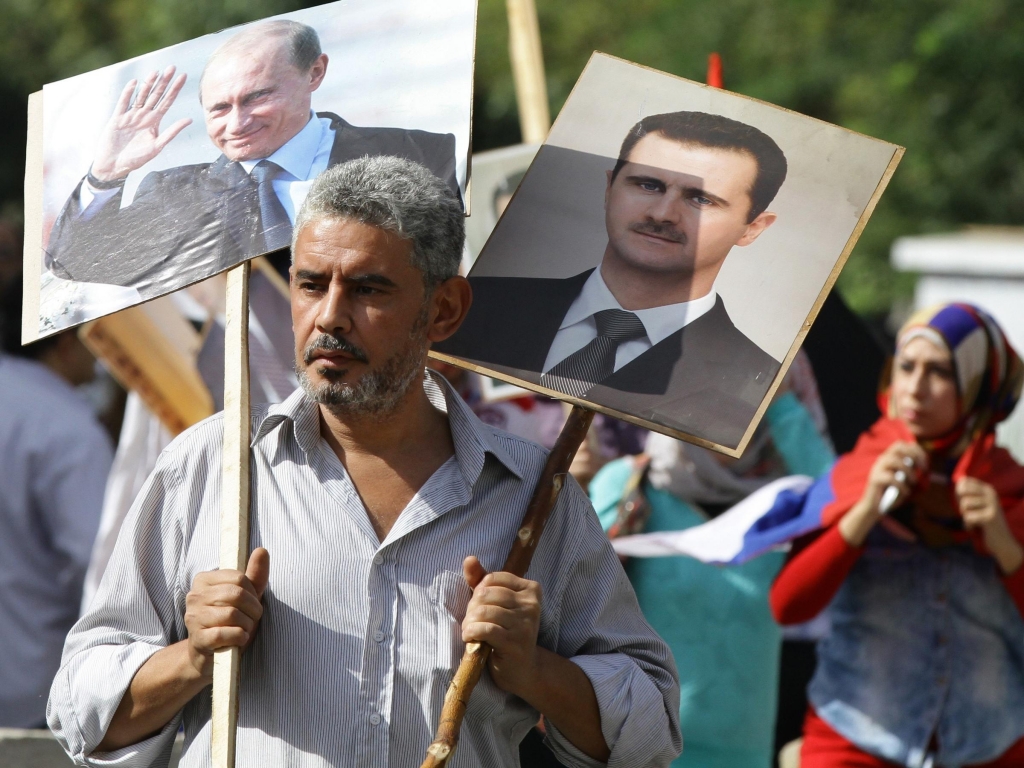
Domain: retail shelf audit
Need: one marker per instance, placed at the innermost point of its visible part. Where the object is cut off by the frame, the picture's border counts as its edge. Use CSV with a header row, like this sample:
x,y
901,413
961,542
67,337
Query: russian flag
x,y
767,519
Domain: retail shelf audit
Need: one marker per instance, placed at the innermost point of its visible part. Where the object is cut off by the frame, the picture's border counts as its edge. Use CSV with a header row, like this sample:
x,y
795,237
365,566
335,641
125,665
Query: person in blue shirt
x,y
715,619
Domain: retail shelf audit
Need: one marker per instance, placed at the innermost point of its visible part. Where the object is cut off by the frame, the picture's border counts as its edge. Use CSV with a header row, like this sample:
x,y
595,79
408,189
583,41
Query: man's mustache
x,y
665,231
327,343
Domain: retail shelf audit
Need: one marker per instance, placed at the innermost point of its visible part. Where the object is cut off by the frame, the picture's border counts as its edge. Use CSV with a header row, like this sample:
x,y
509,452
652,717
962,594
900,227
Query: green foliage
x,y
941,77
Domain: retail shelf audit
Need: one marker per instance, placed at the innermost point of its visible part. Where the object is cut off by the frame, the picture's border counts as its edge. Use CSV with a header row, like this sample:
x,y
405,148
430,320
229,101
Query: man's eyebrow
x,y
689,190
639,178
256,94
372,278
309,274
245,99
699,192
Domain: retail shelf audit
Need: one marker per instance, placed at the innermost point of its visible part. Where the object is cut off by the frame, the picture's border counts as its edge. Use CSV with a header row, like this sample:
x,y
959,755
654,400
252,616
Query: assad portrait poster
x,y
667,251
171,167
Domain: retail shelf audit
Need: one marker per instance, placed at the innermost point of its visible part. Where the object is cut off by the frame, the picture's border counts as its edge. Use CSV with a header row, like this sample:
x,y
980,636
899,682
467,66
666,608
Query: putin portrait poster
x,y
667,251
152,174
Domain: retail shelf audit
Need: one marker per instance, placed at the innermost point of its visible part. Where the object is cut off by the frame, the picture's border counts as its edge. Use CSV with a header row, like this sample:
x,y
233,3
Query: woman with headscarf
x,y
716,619
924,665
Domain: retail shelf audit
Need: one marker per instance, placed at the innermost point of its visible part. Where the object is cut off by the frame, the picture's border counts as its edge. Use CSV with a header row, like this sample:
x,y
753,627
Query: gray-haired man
x,y
383,503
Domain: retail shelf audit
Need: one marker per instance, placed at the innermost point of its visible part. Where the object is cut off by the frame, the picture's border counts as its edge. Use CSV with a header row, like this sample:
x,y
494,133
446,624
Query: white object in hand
x,y
892,492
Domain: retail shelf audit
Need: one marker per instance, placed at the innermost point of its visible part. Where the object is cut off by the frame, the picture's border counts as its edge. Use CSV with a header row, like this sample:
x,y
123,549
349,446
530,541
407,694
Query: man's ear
x,y
317,72
608,188
449,307
756,227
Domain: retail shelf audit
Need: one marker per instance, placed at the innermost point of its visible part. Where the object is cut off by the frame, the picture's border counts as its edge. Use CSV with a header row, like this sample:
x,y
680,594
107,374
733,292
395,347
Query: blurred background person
x,y
924,662
56,456
716,619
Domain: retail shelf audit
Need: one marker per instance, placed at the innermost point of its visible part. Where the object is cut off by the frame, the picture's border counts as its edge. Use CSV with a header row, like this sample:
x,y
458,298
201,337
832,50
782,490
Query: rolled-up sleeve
x,y
600,628
132,617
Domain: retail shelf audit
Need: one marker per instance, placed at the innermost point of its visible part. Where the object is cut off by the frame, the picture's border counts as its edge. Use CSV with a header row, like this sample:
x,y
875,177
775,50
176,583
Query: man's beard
x,y
376,393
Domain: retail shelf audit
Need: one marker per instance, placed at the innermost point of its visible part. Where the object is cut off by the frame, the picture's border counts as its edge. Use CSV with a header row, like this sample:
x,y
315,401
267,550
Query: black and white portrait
x,y
667,276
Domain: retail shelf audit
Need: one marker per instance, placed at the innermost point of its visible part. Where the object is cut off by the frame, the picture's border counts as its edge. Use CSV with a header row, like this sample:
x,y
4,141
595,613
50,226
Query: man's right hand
x,y
132,136
223,610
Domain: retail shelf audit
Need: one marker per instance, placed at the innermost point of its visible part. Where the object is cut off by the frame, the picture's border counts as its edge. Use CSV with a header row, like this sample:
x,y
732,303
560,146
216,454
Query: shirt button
x,y
941,680
378,559
374,719
942,597
378,636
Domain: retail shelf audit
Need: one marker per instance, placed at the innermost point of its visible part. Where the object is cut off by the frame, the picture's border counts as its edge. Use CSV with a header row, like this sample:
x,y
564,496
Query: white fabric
x,y
719,540
578,327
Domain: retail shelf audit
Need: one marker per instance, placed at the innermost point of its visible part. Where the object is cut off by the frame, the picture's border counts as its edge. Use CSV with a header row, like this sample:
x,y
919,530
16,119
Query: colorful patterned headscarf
x,y
989,373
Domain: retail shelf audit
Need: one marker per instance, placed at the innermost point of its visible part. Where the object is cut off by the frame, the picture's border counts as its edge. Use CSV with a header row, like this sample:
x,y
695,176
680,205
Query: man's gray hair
x,y
398,196
303,44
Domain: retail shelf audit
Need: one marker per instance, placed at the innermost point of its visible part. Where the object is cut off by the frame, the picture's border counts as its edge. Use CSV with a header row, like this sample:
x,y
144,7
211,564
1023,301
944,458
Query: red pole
x,y
715,71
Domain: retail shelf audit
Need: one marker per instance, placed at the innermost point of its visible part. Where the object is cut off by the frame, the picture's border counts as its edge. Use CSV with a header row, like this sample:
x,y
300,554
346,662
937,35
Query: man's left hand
x,y
504,612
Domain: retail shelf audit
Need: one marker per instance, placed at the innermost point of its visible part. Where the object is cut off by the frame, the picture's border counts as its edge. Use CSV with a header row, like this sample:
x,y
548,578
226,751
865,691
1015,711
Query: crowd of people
x,y
382,512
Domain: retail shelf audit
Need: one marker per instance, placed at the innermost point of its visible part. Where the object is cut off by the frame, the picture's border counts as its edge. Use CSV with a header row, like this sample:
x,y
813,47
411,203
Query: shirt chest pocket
x,y
450,595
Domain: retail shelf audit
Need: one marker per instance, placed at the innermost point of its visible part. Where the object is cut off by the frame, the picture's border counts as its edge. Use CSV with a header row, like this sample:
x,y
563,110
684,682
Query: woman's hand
x,y
980,508
900,465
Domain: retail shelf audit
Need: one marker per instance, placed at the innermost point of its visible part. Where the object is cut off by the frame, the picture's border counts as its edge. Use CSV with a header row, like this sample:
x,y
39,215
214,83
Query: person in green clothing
x,y
715,619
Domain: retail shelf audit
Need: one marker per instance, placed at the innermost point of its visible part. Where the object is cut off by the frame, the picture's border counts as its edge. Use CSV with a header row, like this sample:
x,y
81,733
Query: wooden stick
x,y
33,210
474,659
528,70
234,516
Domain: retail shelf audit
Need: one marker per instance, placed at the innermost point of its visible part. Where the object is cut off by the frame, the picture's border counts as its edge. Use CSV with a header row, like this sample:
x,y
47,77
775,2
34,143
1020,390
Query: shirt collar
x,y
472,439
659,322
297,155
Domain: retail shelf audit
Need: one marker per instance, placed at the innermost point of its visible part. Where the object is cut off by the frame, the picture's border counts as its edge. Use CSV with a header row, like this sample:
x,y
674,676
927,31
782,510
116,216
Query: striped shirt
x,y
360,637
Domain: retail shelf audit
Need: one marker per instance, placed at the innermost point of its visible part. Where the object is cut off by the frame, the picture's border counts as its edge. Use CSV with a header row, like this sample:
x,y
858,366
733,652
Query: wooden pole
x,y
234,516
474,659
528,70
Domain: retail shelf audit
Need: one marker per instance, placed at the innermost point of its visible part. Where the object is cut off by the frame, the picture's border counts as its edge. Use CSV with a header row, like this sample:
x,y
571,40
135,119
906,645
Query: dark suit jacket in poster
x,y
706,379
188,223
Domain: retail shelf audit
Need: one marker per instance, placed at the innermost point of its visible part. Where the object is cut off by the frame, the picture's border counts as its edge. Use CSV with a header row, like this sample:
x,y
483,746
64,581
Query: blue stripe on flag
x,y
790,516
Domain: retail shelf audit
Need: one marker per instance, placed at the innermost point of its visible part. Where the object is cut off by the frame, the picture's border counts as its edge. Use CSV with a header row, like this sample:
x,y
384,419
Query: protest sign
x,y
667,252
145,177
496,174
